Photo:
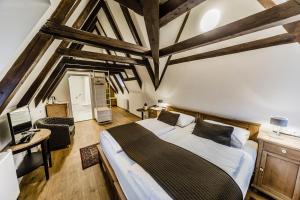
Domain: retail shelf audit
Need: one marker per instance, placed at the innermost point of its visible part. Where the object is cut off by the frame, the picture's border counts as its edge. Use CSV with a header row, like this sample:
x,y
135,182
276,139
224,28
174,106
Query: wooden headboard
x,y
252,127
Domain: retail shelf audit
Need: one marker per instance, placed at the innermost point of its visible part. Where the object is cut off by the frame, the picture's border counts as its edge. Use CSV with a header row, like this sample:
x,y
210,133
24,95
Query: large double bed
x,y
130,181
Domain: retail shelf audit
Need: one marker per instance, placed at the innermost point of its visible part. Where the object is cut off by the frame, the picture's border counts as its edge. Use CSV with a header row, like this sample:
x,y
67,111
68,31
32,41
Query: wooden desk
x,y
33,160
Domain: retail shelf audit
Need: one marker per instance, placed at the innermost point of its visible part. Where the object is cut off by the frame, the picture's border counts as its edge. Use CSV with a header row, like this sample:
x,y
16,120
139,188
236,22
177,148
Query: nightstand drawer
x,y
283,151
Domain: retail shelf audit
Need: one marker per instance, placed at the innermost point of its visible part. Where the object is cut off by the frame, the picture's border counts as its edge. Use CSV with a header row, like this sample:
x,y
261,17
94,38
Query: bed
x,y
130,181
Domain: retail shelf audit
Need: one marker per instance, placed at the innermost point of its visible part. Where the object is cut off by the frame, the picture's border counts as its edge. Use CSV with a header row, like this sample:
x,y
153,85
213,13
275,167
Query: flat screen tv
x,y
5,134
20,122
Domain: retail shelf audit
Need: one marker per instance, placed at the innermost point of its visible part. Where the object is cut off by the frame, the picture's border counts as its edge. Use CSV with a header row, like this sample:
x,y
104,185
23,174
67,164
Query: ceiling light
x,y
210,20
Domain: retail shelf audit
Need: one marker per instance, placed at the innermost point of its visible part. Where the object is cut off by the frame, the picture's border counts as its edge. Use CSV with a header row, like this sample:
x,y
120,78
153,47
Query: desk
x,y
33,160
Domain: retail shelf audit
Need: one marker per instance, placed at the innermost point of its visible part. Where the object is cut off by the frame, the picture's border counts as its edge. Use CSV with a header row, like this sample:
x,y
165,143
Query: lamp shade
x,y
279,121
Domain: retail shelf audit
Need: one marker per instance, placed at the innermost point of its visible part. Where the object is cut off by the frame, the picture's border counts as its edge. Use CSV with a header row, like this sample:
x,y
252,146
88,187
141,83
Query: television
x,y
5,134
20,123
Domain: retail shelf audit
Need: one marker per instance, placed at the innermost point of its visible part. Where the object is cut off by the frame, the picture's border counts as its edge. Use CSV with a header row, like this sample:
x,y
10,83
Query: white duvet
x,y
238,163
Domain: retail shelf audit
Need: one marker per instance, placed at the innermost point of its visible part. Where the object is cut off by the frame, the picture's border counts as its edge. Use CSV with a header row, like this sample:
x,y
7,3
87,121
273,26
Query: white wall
x,y
17,19
251,86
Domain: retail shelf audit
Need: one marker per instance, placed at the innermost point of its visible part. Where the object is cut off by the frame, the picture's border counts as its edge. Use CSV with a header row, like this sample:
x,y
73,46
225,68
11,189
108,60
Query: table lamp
x,y
278,122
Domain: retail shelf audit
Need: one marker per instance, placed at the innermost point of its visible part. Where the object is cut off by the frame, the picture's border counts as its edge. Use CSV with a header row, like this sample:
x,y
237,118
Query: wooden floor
x,y
67,179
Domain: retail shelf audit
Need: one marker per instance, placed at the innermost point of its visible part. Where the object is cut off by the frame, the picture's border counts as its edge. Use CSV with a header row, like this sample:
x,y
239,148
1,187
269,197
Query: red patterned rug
x,y
89,156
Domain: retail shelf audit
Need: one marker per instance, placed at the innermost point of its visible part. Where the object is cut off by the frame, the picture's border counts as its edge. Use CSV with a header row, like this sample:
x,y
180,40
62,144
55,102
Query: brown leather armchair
x,y
62,129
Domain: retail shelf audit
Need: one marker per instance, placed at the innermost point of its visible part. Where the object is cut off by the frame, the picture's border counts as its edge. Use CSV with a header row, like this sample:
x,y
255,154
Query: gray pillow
x,y
215,132
168,117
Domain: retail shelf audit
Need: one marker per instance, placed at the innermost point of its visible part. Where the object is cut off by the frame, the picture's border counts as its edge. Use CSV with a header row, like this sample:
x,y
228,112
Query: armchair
x,y
62,129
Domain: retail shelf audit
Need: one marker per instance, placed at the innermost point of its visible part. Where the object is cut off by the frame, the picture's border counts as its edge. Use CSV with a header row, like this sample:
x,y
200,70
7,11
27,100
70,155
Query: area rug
x,y
89,156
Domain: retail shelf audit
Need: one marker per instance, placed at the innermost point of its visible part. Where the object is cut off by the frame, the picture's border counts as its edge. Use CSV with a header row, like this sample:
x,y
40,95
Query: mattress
x,y
138,184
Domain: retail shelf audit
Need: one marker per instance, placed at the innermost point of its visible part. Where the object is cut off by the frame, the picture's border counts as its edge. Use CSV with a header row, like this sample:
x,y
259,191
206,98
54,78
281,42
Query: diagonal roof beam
x,y
118,34
118,83
30,56
278,15
98,56
134,5
176,40
122,78
290,28
76,35
174,8
151,16
138,41
83,21
286,38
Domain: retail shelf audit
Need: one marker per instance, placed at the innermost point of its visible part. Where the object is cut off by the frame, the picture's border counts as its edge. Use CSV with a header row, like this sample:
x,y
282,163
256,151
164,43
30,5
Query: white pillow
x,y
184,119
239,135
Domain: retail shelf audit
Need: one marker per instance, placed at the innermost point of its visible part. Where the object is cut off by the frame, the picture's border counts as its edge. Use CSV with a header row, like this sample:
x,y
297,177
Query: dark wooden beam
x,y
151,17
56,72
98,56
258,44
84,63
137,77
67,68
278,15
174,8
118,83
129,79
80,22
138,41
122,78
90,68
30,56
83,37
118,34
134,5
112,84
176,40
290,28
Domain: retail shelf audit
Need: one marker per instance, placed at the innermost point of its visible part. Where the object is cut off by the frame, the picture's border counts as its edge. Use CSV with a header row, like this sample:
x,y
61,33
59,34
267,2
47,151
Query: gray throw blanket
x,y
181,173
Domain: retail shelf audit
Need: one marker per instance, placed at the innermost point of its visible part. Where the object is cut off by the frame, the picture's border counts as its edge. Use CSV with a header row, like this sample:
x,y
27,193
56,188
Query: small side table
x,y
142,110
33,160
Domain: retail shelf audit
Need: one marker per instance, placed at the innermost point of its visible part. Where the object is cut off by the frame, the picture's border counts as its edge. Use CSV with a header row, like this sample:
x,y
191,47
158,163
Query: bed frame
x,y
113,184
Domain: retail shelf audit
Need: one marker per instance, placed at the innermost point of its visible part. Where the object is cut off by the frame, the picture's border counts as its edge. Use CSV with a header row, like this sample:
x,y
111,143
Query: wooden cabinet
x,y
277,170
57,110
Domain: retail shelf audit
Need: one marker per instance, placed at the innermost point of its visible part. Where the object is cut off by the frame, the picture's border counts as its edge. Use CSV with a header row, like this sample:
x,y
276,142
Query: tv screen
x,y
5,134
20,120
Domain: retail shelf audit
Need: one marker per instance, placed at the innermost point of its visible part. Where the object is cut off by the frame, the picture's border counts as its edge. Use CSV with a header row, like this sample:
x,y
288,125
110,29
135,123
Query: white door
x,y
80,93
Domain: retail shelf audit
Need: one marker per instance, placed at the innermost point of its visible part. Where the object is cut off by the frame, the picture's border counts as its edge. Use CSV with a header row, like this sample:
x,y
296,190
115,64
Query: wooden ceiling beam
x,y
31,55
278,15
83,63
286,38
151,17
98,56
118,34
111,81
118,83
174,8
138,41
83,37
122,78
133,5
290,28
113,86
56,72
90,9
176,40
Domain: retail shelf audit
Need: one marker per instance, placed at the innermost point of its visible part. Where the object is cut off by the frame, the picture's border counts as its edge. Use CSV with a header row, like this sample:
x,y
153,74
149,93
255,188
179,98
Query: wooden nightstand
x,y
154,112
277,170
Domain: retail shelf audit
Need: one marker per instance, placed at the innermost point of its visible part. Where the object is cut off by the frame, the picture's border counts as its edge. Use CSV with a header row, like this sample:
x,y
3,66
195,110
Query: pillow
x,y
239,136
215,132
184,119
168,117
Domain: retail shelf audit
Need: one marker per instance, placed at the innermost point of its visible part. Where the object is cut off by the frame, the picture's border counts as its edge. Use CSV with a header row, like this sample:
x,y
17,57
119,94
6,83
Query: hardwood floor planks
x,y
67,179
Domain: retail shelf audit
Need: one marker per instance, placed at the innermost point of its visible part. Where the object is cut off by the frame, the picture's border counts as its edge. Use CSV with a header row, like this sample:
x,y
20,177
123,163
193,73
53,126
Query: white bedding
x,y
138,184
